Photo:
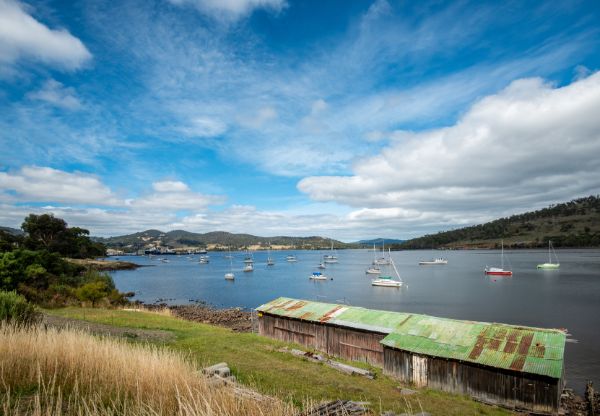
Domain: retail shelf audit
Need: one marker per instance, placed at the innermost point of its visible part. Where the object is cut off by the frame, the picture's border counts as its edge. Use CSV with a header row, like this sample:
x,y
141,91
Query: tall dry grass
x,y
51,372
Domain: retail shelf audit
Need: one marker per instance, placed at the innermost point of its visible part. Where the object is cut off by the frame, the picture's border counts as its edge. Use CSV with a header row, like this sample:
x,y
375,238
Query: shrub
x,y
16,310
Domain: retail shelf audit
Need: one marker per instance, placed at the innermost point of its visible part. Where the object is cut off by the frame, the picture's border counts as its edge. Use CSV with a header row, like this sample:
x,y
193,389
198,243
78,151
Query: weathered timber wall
x,y
514,390
347,343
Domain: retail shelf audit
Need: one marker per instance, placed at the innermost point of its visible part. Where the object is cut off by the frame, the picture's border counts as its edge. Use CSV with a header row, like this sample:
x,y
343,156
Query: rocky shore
x,y
236,319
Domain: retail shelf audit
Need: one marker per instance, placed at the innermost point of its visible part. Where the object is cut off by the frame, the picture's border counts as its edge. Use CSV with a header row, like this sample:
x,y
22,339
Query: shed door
x,y
419,371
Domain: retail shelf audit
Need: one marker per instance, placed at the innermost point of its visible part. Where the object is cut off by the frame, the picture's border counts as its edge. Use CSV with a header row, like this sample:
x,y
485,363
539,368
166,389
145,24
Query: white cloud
x,y
170,186
232,9
43,184
204,127
57,94
174,196
22,36
529,145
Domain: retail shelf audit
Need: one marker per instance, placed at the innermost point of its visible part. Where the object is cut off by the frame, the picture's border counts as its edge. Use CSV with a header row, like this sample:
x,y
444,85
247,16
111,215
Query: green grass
x,y
256,362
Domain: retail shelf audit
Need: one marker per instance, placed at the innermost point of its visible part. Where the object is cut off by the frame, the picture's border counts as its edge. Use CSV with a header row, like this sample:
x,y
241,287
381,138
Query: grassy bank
x,y
51,372
257,362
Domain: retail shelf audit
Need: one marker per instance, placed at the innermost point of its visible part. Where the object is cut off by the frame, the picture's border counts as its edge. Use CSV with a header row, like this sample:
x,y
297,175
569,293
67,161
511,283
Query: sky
x,y
349,120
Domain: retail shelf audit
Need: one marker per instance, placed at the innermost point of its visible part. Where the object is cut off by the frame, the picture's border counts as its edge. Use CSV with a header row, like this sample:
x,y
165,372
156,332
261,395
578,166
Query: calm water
x,y
566,298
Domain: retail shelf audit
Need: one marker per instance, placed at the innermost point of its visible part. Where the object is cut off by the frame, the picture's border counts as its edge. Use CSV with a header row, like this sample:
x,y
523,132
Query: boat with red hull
x,y
498,271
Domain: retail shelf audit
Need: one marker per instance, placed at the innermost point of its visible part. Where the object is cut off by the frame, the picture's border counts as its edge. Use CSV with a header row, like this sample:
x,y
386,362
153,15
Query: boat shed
x,y
342,331
506,365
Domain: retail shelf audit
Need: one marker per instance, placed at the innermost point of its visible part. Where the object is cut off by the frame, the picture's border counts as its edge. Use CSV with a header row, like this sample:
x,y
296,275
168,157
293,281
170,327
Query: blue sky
x,y
344,119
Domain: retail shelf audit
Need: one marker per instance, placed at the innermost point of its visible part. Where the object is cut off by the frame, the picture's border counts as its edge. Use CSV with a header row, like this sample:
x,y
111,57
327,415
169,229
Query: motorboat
x,y
248,267
203,260
317,276
373,270
386,281
435,261
291,258
229,276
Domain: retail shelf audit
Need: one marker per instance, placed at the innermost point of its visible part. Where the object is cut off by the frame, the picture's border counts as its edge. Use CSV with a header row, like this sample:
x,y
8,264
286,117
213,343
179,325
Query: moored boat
x,y
499,271
435,261
388,281
550,265
317,276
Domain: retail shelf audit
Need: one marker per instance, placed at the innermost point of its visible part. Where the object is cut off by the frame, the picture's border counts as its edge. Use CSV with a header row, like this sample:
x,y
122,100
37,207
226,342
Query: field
x,y
257,363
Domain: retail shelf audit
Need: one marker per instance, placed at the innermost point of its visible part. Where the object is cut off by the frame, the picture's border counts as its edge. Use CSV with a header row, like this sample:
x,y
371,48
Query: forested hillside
x,y
570,224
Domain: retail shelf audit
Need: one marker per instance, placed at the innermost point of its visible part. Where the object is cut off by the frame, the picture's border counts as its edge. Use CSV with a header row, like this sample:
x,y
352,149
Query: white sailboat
x,y
373,269
499,271
270,261
550,265
388,281
249,267
230,275
438,260
331,258
382,260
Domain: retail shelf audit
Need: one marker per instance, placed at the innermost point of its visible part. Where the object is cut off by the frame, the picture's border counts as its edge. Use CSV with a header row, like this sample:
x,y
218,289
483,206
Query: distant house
x,y
511,366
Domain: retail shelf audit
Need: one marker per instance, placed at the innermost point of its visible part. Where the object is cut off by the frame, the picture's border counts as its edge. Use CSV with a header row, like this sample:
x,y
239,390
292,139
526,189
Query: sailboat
x,y
373,269
330,258
388,281
248,259
270,261
230,275
382,260
499,271
550,265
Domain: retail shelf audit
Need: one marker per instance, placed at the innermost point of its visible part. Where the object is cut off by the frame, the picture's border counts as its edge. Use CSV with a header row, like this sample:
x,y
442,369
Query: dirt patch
x,y
152,335
235,319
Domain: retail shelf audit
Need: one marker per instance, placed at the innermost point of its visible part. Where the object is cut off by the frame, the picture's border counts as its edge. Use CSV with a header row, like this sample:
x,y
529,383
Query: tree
x,y
93,292
43,229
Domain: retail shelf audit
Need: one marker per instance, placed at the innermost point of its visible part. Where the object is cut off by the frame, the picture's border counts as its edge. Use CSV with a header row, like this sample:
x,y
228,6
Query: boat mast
x,y
502,255
549,257
395,270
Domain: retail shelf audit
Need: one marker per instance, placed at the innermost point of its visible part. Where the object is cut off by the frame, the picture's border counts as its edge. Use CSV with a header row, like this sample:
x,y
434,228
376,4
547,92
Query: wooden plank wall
x,y
354,345
505,388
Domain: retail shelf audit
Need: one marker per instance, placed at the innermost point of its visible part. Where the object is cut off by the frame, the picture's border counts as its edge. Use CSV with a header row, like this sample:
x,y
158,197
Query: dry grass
x,y
51,372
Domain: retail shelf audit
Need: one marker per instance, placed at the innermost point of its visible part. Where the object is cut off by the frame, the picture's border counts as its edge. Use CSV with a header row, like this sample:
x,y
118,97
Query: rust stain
x,y
511,342
494,344
298,305
479,345
525,344
280,305
518,363
327,316
538,351
305,315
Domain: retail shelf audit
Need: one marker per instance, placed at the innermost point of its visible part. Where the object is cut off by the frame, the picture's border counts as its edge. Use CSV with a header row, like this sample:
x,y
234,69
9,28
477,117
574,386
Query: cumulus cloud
x,y
43,184
174,195
204,127
232,9
22,36
55,93
529,145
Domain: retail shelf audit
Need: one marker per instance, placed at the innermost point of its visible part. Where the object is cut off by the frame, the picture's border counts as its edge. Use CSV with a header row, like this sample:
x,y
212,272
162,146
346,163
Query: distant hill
x,y
180,238
13,231
378,242
570,224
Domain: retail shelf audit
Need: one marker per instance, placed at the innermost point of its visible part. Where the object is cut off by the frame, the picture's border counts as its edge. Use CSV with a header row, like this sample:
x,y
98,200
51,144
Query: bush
x,y
16,310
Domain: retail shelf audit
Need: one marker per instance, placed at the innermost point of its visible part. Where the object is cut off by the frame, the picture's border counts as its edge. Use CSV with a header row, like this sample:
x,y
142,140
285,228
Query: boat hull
x,y
548,266
499,272
386,284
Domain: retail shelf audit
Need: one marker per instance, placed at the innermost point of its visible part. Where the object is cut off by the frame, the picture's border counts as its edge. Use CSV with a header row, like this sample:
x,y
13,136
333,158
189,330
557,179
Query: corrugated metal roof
x,y
342,315
531,350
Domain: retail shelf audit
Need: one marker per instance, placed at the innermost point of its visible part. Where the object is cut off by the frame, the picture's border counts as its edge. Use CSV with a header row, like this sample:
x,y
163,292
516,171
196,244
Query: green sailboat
x,y
550,265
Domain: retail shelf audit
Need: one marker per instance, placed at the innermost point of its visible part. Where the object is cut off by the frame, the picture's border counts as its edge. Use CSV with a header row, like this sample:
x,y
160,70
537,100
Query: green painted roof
x,y
531,350
342,315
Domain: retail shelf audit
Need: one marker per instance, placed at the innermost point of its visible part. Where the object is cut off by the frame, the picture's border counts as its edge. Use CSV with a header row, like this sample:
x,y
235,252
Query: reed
x,y
51,372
